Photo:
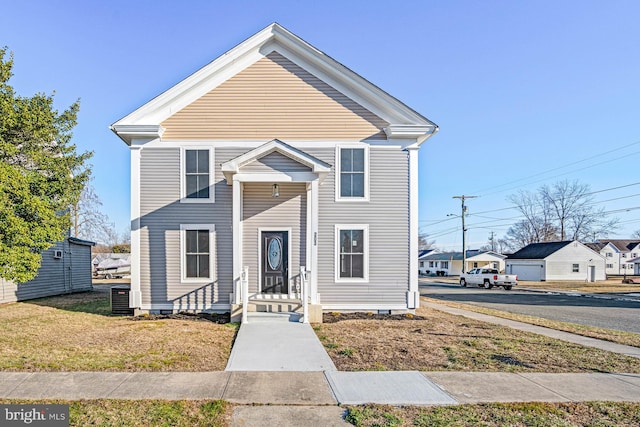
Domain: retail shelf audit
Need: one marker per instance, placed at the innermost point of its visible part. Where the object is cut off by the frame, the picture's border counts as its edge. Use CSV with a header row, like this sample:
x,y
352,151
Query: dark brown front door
x,y
275,262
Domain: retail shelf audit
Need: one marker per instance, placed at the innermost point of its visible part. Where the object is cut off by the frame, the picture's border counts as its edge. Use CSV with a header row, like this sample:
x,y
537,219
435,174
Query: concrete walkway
x,y
277,342
324,388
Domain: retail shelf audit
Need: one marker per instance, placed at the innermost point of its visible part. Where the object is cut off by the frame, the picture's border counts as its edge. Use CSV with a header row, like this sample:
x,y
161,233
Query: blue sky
x,y
525,93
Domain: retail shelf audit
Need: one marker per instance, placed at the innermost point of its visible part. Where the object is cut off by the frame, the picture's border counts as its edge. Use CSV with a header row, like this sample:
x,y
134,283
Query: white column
x,y
237,237
413,298
312,239
135,296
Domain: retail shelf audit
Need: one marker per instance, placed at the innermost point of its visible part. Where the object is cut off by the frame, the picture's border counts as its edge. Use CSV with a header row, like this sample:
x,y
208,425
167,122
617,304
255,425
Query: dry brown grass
x,y
74,333
620,337
443,341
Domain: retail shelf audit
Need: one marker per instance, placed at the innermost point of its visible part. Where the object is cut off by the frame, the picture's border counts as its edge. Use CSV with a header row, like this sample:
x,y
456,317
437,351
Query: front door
x,y
275,262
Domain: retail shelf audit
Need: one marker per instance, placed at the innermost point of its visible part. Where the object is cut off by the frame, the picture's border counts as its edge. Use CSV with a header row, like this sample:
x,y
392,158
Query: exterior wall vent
x,y
57,254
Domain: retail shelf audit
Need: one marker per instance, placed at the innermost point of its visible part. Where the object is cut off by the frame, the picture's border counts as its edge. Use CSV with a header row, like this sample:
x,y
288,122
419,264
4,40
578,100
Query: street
x,y
599,312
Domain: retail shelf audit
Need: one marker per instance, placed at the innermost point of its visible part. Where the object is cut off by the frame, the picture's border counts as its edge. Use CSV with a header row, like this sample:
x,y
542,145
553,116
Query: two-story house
x,y
277,166
619,255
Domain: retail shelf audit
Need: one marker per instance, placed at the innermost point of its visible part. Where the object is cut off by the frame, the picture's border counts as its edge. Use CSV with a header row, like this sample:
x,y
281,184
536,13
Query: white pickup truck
x,y
488,278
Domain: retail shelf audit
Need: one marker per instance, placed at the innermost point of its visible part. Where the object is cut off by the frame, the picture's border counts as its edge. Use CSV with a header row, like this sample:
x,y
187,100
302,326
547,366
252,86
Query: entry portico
x,y
271,185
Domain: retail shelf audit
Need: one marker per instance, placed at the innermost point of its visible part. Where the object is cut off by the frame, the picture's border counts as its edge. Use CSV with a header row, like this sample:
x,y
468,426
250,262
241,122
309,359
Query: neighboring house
x,y
65,268
450,263
636,266
422,264
618,254
274,159
568,260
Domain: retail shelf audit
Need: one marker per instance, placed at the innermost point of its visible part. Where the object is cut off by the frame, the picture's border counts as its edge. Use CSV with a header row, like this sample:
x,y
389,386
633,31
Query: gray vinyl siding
x,y
71,273
161,215
260,209
387,215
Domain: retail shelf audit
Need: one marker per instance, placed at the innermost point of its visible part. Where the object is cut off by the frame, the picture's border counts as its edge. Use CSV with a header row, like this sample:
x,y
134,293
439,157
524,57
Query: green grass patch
x,y
498,414
142,413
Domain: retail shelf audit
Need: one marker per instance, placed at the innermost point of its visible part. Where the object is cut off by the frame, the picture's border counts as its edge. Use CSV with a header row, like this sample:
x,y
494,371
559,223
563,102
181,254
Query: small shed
x,y
567,260
65,268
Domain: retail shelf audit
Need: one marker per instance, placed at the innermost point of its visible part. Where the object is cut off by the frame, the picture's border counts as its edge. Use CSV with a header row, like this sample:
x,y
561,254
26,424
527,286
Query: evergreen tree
x,y
41,176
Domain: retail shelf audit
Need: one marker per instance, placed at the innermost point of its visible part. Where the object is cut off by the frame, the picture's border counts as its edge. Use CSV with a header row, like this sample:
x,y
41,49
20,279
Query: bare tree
x,y
424,243
564,210
88,220
636,234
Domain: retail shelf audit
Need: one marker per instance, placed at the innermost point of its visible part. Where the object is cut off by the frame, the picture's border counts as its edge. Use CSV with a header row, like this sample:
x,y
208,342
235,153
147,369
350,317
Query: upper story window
x,y
624,255
352,175
197,173
575,268
609,254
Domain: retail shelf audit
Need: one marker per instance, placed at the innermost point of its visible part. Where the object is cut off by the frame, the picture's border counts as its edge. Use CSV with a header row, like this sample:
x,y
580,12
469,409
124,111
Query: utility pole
x,y
493,242
464,230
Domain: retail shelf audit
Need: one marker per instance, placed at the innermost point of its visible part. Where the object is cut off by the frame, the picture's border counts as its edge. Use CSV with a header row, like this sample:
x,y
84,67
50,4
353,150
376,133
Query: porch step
x,y
257,316
274,306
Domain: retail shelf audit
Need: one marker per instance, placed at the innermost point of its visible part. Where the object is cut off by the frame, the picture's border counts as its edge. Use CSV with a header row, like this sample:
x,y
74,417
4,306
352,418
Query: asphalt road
x,y
604,313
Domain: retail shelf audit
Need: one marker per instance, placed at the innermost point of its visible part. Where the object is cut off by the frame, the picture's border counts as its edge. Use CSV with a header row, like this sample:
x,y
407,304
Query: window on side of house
x,y
352,257
576,268
624,255
196,242
352,181
609,254
444,264
197,171
609,265
421,264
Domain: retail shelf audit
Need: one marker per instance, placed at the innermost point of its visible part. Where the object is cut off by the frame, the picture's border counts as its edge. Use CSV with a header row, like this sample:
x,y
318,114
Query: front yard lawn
x,y
76,333
499,414
437,341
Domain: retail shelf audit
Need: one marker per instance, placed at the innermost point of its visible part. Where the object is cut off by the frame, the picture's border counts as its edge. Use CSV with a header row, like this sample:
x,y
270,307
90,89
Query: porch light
x,y
275,191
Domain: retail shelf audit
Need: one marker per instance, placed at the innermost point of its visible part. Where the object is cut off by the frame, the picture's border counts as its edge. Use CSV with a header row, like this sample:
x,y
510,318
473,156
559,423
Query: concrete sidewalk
x,y
324,388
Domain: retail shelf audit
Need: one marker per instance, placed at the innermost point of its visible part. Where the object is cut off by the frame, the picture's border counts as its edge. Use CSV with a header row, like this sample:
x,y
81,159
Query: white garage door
x,y
527,271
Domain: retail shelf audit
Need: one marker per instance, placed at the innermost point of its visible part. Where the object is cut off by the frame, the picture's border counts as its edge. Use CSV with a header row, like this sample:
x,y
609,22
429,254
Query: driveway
x,y
599,312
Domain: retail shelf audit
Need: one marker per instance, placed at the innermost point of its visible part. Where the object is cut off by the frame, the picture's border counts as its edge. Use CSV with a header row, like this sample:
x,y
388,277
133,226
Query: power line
x,y
561,167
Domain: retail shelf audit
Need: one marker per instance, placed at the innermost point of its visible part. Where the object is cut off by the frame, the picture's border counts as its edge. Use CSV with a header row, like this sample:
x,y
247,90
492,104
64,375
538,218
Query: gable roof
x,y
231,167
404,122
538,250
623,245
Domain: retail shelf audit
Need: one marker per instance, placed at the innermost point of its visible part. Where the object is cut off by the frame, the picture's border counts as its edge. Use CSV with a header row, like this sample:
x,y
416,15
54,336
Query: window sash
x,y
197,174
352,172
197,254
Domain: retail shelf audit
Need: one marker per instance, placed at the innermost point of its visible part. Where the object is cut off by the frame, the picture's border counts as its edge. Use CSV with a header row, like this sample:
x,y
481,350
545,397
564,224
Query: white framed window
x,y
196,175
431,264
444,264
609,254
575,268
352,253
197,252
624,255
352,172
609,265
421,264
